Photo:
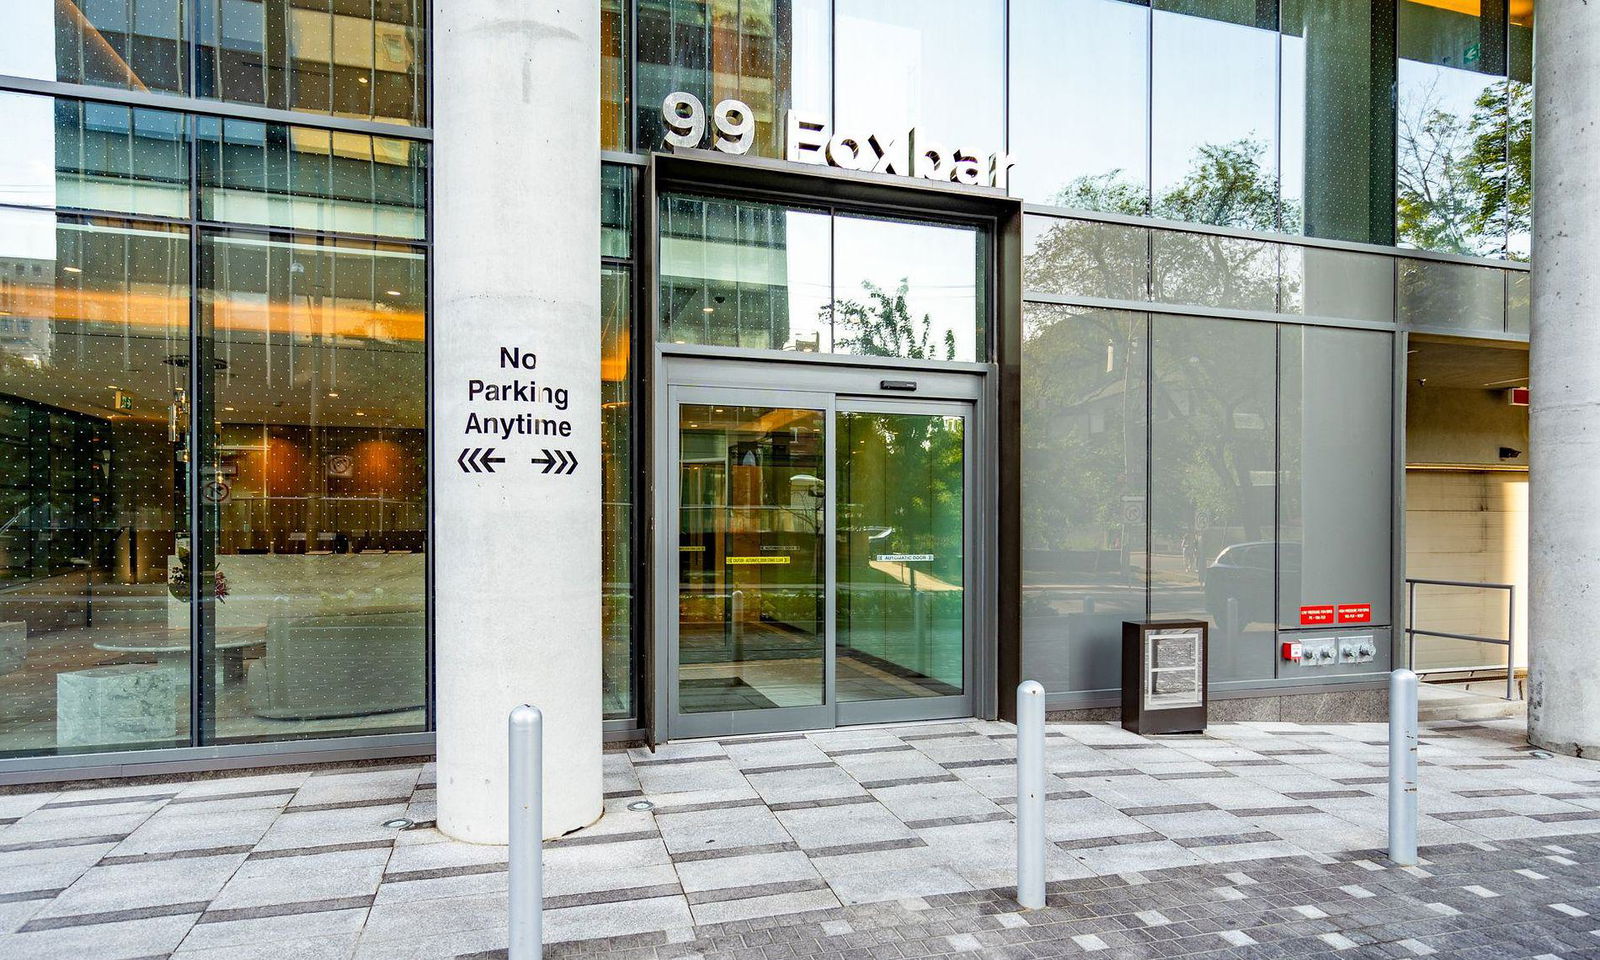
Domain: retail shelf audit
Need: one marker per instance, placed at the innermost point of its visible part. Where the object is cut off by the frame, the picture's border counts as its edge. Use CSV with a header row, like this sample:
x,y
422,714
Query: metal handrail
x,y
1510,641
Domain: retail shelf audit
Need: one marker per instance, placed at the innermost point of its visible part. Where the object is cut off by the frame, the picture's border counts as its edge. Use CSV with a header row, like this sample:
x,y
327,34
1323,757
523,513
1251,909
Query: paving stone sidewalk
x,y
1255,840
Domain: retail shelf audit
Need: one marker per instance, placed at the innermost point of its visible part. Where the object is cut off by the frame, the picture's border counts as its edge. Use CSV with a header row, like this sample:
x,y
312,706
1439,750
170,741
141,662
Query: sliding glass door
x,y
819,570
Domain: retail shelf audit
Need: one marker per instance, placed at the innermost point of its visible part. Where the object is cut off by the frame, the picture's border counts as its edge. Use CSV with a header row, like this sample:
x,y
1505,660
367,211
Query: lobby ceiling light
x,y
334,394
392,293
72,269
708,309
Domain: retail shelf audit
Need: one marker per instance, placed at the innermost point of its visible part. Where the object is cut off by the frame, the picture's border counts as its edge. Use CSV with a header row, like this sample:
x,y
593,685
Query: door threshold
x,y
790,734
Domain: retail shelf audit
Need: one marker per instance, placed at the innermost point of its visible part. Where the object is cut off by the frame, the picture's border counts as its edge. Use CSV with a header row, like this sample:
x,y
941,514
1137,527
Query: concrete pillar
x,y
516,230
1564,373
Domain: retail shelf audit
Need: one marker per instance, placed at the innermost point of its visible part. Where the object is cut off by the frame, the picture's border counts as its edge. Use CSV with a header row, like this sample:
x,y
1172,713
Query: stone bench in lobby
x,y
126,703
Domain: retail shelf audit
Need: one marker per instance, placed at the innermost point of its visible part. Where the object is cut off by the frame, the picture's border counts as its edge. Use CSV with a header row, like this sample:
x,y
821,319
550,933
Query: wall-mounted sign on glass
x,y
810,139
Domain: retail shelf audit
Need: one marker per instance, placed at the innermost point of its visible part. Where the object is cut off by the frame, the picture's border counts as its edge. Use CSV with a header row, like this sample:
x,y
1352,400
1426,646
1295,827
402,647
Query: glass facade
x,y
214,320
343,59
1086,259
213,337
1264,115
1198,468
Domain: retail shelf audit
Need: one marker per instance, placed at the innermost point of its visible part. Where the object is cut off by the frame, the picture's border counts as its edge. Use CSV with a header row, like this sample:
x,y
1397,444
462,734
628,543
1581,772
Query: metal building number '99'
x,y
685,119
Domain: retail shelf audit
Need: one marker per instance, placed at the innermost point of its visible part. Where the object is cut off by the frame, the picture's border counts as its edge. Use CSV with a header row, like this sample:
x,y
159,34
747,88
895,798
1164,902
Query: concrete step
x,y
1478,701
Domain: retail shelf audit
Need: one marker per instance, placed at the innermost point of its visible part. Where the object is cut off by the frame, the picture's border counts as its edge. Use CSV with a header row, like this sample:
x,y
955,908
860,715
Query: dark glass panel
x,y
616,211
1338,119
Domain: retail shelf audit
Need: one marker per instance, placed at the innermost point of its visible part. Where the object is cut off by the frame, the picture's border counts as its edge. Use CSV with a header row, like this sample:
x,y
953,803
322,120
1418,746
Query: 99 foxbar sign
x,y
809,139
514,403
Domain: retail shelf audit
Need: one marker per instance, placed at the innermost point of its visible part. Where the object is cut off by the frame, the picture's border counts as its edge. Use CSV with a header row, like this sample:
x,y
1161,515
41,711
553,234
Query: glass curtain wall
x,y
347,59
1190,467
277,396
937,65
1267,115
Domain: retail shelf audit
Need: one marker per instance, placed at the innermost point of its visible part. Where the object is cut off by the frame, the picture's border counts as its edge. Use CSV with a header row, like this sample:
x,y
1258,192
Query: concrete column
x,y
516,232
1564,373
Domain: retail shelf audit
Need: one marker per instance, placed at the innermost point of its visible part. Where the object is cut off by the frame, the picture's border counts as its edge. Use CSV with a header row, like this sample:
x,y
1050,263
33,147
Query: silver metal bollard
x,y
1403,767
526,911
1030,795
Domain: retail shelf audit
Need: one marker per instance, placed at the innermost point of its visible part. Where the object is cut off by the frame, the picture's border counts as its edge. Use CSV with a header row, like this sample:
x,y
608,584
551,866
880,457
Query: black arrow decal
x,y
563,462
462,461
488,459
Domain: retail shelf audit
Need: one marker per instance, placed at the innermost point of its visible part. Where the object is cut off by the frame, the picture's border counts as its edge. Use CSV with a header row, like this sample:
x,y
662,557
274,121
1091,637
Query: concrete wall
x,y
1469,525
1449,425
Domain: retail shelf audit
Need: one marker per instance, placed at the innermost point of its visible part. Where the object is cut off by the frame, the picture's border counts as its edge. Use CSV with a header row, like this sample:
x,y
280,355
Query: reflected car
x,y
1239,582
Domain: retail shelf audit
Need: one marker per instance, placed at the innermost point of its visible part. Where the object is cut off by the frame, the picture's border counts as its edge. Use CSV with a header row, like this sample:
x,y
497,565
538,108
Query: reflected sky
x,y
1427,147
934,64
1213,84
1079,98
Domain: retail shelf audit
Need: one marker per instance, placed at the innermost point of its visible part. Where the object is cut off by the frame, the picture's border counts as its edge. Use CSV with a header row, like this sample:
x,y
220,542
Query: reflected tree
x,y
880,325
1464,183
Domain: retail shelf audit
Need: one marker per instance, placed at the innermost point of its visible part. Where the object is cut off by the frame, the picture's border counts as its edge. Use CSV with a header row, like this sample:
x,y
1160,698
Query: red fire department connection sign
x,y
1317,615
1355,613
1326,614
